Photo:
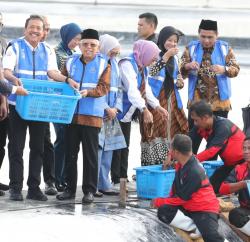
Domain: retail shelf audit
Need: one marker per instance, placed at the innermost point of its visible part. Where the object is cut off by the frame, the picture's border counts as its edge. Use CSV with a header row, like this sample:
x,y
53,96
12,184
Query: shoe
x,y
36,194
2,193
4,187
134,177
98,194
66,195
60,187
110,192
15,195
50,189
88,198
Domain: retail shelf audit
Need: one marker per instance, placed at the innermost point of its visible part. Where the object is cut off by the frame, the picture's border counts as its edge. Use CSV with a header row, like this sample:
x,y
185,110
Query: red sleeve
x,y
224,188
208,153
175,201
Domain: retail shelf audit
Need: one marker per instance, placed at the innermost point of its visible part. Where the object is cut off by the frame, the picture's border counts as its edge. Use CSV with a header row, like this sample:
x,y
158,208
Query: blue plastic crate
x,y
48,101
211,166
152,181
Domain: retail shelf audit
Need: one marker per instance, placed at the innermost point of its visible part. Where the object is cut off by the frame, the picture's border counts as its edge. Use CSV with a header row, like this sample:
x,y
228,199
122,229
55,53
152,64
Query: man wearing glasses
x,y
209,64
91,70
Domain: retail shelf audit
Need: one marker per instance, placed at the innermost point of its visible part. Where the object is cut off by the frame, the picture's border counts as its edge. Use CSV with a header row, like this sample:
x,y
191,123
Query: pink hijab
x,y
145,51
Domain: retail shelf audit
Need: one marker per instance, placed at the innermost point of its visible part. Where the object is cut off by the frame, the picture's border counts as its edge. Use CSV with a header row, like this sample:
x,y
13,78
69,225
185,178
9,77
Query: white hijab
x,y
107,43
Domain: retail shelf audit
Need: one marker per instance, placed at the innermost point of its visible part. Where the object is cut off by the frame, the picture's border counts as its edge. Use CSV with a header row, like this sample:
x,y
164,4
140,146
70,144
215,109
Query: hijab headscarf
x,y
165,34
107,43
145,51
69,32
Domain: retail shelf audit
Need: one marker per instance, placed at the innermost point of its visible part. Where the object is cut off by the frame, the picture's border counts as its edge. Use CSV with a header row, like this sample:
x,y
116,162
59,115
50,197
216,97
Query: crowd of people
x,y
142,86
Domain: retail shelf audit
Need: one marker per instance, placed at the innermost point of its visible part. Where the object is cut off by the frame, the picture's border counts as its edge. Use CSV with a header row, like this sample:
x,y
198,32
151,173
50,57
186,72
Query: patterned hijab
x,y
145,51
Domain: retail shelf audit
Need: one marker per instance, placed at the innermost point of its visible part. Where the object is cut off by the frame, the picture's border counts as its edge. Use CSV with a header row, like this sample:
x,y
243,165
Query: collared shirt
x,y
10,58
129,83
101,89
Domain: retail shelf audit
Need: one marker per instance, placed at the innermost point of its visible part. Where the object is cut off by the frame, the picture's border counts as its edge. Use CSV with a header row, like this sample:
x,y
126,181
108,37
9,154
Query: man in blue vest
x,y
209,64
28,57
92,71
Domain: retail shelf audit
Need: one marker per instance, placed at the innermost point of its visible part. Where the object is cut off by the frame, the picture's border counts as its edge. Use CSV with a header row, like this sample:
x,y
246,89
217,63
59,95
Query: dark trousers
x,y
3,137
239,216
48,157
59,150
119,167
206,222
88,136
17,136
219,176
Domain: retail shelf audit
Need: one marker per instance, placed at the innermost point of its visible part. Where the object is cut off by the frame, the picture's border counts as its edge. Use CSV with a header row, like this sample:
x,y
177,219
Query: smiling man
x,y
209,64
28,57
92,71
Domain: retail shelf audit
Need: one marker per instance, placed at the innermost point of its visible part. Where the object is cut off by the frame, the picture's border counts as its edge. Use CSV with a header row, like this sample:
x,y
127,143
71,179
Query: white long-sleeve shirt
x,y
129,84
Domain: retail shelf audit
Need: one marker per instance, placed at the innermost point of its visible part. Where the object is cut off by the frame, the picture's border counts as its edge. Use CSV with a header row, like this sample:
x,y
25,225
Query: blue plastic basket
x,y
211,166
48,101
152,181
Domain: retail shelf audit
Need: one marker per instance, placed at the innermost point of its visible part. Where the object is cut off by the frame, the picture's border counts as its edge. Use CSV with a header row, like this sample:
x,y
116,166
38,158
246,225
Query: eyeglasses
x,y
85,45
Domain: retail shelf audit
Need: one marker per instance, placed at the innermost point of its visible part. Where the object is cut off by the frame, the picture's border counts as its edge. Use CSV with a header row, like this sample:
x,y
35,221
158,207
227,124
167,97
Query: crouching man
x,y
237,182
192,205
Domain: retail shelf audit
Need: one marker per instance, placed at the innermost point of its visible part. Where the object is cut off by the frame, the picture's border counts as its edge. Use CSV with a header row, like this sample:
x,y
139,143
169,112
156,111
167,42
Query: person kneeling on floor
x,y
192,205
237,182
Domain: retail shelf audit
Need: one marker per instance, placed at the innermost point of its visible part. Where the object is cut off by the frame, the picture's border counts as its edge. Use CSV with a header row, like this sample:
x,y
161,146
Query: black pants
x,y
48,157
88,136
206,222
239,216
3,137
219,176
17,136
119,167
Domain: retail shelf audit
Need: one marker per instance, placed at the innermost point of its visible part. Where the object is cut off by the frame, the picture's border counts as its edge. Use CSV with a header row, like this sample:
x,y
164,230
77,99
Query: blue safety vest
x,y
126,103
88,76
114,83
30,64
218,58
156,83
